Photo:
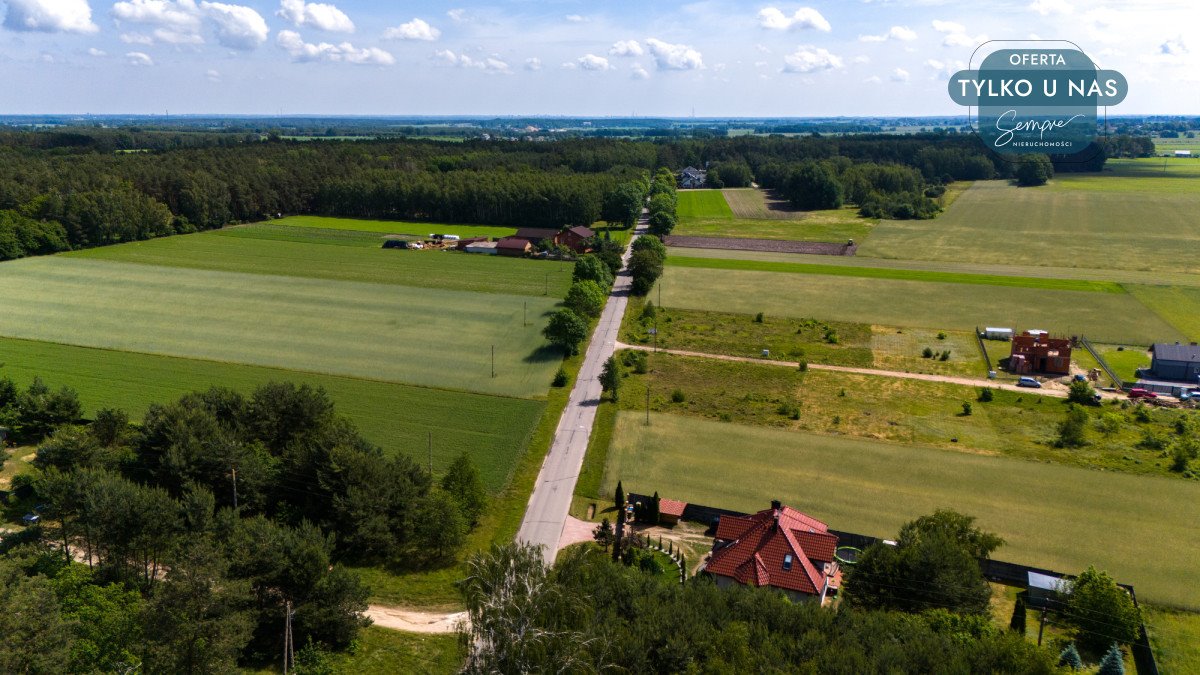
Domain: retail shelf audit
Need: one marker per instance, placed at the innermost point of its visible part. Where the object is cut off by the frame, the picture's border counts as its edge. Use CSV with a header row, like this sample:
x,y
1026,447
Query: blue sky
x,y
561,57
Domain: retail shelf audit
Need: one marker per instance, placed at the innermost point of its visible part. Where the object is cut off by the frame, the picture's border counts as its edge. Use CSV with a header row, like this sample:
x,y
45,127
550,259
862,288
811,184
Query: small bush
x,y
837,419
941,336
831,337
560,378
678,396
1142,414
927,353
1152,440
986,395
758,318
945,356
966,409
1109,423
803,366
649,311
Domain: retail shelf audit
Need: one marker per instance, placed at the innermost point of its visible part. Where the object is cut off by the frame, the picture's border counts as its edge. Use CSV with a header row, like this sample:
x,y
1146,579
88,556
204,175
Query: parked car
x,y
1029,382
31,519
1138,392
1080,378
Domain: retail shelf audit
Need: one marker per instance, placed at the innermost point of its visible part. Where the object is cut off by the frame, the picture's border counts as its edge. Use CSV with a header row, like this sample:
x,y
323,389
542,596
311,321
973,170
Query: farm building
x,y
1037,352
1176,362
462,244
1183,153
485,247
513,246
992,333
536,234
670,511
777,547
576,238
691,178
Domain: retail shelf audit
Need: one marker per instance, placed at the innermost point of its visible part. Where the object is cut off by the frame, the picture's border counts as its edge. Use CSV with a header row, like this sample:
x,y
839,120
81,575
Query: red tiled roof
x,y
759,545
581,231
671,507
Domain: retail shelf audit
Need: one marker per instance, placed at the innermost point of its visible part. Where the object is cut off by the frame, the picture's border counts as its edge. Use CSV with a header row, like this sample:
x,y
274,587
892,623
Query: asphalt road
x,y
546,513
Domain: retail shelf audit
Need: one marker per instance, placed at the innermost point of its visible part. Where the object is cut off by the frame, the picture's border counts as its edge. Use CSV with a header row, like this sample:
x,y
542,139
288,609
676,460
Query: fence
x,y
983,348
1112,375
1010,573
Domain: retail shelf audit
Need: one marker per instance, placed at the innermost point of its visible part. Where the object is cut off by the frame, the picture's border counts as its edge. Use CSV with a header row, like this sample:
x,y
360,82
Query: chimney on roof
x,y
776,504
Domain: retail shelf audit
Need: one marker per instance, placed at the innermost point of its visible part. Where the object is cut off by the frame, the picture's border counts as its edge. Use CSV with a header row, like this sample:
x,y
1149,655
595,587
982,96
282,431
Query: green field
x,y
1134,217
1175,638
1124,359
1180,306
1058,517
419,229
1163,145
892,273
399,418
260,250
382,651
752,213
1103,317
420,336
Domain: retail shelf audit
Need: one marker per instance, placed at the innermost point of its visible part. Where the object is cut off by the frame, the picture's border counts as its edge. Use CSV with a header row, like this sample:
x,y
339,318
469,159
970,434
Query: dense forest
x,y
178,544
80,188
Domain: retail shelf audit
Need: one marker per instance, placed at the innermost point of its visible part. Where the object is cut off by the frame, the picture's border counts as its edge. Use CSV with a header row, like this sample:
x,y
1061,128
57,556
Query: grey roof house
x,y
1176,362
692,178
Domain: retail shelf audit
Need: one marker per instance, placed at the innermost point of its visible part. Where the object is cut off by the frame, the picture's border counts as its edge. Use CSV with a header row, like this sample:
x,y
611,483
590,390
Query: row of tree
x,y
661,215
207,522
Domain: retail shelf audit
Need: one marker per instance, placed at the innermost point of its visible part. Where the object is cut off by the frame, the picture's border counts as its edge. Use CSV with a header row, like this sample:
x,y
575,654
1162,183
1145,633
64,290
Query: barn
x,y
1177,362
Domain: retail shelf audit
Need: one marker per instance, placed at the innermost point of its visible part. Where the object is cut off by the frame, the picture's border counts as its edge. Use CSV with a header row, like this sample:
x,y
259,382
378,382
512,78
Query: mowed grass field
x,y
432,337
1179,305
1134,216
291,252
750,212
1103,317
417,229
399,418
1059,517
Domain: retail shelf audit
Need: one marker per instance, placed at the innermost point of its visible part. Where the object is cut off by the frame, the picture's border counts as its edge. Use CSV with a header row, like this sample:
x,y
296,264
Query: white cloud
x,y
639,73
948,26
301,51
457,15
92,51
802,19
181,16
576,18
1173,47
899,75
964,40
136,39
669,56
874,79
860,59
626,48
238,26
942,70
417,29
50,16
808,59
902,33
593,62
212,76
1048,7
139,59
317,15
490,64
533,64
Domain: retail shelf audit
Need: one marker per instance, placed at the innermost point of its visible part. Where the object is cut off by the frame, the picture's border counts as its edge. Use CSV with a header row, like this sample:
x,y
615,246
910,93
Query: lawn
x,y
419,229
753,213
1014,424
892,273
1106,317
1179,305
425,336
1134,217
903,349
493,430
382,651
1175,638
1058,517
266,250
1124,359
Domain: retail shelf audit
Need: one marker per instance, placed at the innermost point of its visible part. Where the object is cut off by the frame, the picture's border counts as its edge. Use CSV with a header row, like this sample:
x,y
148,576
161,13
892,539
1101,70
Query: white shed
x,y
1183,153
992,333
484,247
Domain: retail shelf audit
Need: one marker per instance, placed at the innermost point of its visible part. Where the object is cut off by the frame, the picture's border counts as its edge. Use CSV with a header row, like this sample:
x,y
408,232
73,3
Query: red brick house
x,y
1037,352
778,547
513,246
576,238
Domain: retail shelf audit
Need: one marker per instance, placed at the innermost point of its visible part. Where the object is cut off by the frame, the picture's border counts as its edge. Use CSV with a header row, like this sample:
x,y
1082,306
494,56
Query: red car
x,y
1142,393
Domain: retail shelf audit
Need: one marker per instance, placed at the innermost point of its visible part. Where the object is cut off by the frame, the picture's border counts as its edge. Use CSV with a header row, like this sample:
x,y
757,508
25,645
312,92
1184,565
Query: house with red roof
x,y
778,547
670,511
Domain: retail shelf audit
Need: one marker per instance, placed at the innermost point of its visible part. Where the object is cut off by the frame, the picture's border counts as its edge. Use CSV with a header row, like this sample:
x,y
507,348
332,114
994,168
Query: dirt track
x,y
767,245
413,621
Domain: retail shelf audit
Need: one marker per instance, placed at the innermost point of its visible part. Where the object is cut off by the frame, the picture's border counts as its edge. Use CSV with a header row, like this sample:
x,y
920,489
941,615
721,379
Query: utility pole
x,y
287,637
1042,627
